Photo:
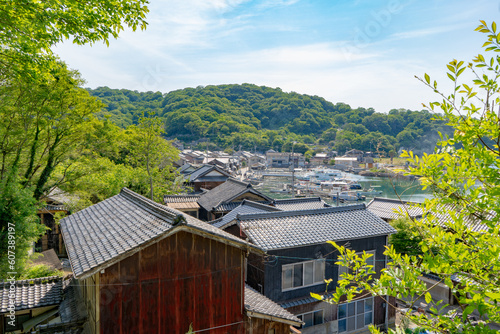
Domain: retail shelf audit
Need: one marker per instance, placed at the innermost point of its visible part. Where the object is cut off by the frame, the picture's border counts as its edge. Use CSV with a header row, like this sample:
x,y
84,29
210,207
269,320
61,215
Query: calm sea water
x,y
406,190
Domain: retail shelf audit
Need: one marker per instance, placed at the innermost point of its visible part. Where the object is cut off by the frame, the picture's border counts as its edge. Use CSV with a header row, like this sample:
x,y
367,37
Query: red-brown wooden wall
x,y
181,280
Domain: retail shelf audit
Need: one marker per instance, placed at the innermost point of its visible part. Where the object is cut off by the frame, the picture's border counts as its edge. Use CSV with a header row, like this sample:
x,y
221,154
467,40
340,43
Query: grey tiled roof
x,y
297,302
203,170
473,223
258,303
226,192
226,207
306,203
181,198
32,293
287,229
115,227
387,208
245,207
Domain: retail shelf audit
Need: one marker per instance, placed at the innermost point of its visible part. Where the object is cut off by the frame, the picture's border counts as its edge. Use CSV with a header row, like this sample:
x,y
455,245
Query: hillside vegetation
x,y
259,117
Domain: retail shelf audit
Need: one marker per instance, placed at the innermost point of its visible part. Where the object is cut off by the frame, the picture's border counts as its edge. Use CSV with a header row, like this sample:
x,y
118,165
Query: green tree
x,y
152,152
460,230
30,28
407,239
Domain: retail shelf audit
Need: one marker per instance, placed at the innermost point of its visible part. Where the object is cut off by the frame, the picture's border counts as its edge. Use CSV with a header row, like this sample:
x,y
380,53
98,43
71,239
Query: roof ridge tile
x,y
301,212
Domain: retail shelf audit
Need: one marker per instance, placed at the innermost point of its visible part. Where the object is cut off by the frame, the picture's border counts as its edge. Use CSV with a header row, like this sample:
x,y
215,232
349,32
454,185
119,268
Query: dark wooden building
x,y
205,177
56,201
146,268
298,260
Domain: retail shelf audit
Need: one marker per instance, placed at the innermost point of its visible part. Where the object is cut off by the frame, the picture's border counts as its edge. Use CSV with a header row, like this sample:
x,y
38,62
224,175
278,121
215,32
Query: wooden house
x,y
298,260
224,198
147,268
205,177
56,201
28,305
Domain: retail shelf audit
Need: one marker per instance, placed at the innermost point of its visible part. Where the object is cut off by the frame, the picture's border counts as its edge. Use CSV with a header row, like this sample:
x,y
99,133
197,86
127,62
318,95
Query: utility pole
x,y
293,173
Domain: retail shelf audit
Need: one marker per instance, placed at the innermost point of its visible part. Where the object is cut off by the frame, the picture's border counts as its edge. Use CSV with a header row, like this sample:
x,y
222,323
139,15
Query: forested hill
x,y
259,117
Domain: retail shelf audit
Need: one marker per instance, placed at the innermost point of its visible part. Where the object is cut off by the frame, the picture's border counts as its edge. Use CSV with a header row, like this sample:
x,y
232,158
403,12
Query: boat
x,y
370,192
355,186
326,174
348,196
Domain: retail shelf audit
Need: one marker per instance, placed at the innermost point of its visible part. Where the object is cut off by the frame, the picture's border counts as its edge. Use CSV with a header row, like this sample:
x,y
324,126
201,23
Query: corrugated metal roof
x,y
258,303
287,229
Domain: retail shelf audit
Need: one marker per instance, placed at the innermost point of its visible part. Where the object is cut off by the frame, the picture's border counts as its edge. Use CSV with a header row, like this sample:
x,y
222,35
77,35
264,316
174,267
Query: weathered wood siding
x,y
264,326
181,280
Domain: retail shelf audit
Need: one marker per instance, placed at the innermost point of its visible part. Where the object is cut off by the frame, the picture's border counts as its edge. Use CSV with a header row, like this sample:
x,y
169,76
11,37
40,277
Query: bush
x,y
40,270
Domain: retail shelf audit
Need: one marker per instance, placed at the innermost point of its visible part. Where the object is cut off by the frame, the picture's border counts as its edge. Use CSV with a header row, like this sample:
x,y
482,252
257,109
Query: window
x,y
311,318
370,261
302,274
355,315
17,324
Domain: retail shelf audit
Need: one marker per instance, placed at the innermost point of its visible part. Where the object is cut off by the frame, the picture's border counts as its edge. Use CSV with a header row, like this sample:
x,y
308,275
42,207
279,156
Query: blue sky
x,y
361,52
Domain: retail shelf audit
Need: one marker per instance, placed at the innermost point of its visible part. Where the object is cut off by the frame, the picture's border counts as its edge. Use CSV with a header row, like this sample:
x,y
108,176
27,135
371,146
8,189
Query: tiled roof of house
x,y
305,203
258,303
32,293
104,233
184,168
245,207
473,223
287,229
48,258
181,198
387,208
203,170
226,207
225,192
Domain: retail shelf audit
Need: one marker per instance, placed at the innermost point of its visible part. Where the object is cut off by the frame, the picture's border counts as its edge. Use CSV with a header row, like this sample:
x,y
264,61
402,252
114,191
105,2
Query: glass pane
x,y
308,319
297,275
319,271
368,305
287,277
368,318
351,309
308,273
342,311
318,317
360,321
371,260
342,325
360,307
351,324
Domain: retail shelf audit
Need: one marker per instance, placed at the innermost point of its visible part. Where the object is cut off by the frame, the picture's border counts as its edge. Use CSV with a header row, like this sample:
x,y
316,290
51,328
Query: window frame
x,y
356,314
291,266
301,317
343,269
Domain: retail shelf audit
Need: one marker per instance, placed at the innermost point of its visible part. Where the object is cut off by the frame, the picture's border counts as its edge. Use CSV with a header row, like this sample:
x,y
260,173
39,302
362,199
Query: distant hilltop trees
x,y
260,118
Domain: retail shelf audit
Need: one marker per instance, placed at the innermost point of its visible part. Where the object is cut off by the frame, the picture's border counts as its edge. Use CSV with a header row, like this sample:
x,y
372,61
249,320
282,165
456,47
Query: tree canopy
x,y
459,234
259,117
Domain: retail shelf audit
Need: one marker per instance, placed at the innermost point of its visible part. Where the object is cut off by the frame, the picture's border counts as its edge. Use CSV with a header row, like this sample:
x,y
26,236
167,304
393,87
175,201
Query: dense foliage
x,y
260,118
460,230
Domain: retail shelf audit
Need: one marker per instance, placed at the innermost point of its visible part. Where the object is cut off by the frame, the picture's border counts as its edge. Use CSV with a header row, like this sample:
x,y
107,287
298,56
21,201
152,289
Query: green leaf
x,y
427,78
428,298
